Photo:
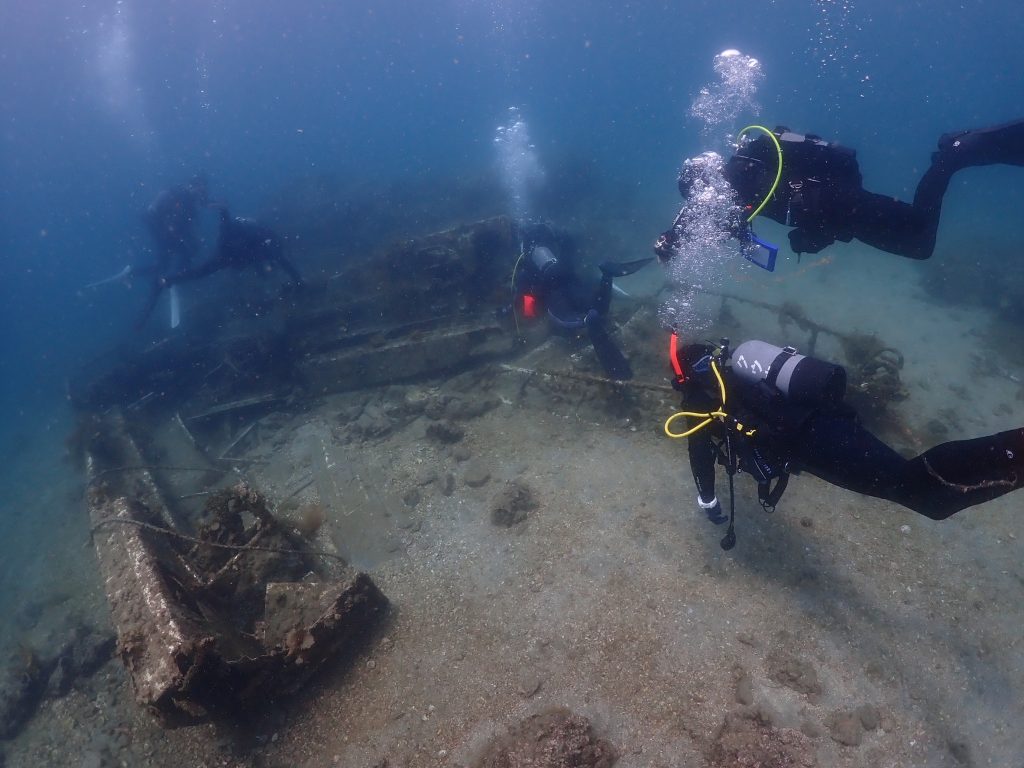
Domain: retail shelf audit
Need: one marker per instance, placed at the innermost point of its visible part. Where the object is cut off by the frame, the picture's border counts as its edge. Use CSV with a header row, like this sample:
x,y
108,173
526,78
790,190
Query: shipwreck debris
x,y
211,624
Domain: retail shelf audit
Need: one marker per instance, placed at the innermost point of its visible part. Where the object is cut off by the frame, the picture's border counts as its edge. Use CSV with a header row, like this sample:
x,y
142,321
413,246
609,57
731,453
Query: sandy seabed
x,y
842,629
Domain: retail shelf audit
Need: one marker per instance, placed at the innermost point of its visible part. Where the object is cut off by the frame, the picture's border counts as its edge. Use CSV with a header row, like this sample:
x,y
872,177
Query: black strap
x,y
729,540
770,497
776,367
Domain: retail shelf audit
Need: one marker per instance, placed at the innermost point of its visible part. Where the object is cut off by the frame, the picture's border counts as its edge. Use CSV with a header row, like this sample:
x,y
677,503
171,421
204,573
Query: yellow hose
x,y
778,170
512,290
708,417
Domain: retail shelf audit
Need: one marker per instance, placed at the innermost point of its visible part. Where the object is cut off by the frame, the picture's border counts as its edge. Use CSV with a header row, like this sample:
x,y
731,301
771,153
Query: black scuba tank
x,y
802,380
543,259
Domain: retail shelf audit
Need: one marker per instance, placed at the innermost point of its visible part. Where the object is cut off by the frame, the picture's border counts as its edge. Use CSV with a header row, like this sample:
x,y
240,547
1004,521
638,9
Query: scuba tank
x,y
802,380
543,259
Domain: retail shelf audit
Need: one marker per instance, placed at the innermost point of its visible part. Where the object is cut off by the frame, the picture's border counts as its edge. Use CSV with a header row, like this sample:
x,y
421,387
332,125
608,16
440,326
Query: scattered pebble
x,y
869,716
745,689
476,474
846,729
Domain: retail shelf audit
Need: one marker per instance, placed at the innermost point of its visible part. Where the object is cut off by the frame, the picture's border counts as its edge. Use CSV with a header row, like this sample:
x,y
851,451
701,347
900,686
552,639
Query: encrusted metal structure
x,y
204,628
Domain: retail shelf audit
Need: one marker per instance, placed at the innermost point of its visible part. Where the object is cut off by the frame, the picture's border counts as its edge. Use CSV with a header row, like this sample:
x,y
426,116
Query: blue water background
x,y
104,103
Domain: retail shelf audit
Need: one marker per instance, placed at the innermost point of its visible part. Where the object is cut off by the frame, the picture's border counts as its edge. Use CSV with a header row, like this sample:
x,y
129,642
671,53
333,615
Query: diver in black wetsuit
x,y
820,192
545,281
784,413
172,219
242,243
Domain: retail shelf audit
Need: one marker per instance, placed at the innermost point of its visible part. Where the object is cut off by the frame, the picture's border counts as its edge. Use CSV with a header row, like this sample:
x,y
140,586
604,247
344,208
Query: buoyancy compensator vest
x,y
819,178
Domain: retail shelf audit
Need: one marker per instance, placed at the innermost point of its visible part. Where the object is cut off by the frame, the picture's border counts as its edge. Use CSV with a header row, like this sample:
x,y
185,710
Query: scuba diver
x,y
241,243
543,280
172,220
813,185
772,412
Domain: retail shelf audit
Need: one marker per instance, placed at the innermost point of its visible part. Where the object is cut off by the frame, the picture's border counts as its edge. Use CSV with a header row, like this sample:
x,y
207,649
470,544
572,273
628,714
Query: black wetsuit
x,y
567,300
831,443
172,220
573,305
821,195
241,243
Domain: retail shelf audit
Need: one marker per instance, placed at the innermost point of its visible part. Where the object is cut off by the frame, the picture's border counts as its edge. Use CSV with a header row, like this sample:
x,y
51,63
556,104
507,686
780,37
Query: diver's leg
x,y
615,364
995,145
953,476
185,251
609,271
161,264
836,448
702,465
156,288
563,309
603,295
999,144
564,314
938,483
894,226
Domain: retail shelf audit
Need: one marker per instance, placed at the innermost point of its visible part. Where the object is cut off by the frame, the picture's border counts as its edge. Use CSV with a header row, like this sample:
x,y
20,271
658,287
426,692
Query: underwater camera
x,y
801,379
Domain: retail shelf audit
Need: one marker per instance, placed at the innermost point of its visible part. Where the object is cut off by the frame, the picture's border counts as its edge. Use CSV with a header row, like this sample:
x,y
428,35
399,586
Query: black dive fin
x,y
612,360
622,268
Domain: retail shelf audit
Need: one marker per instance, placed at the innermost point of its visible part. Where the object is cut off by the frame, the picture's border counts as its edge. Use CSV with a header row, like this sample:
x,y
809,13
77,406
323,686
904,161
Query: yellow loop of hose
x,y
708,417
778,170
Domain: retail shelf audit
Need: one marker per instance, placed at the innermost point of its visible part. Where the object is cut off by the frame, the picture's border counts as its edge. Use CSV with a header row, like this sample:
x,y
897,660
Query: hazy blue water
x,y
104,103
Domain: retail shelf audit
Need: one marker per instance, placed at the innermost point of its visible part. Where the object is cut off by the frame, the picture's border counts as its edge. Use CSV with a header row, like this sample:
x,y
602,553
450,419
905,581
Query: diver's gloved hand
x,y
665,245
805,241
713,509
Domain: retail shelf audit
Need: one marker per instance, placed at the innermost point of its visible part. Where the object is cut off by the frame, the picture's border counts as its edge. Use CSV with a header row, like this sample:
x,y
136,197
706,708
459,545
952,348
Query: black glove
x,y
665,245
809,241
